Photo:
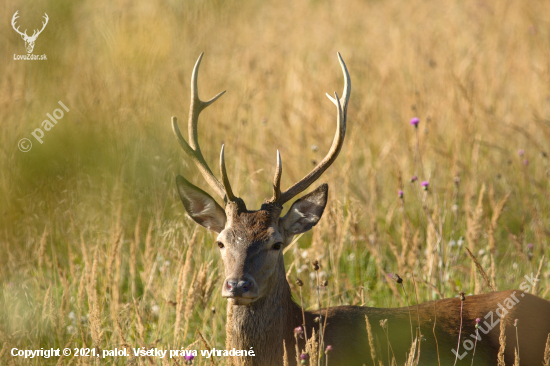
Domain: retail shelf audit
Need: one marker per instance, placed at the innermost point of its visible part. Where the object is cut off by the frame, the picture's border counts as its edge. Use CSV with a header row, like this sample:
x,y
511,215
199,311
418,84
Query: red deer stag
x,y
262,314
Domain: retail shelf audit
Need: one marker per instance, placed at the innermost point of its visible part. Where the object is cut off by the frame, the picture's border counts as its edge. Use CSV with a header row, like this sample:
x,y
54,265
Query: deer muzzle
x,y
244,290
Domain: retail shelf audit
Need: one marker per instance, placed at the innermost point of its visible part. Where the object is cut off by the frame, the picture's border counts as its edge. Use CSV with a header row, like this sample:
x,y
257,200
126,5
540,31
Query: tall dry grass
x,y
97,250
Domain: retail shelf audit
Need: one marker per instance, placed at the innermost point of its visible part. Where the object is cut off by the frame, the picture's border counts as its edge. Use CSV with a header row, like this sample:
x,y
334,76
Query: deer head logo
x,y
29,41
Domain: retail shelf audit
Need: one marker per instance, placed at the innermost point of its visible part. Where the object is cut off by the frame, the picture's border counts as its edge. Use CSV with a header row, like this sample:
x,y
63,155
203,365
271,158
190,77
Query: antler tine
x,y
277,179
192,148
347,88
342,107
197,106
225,179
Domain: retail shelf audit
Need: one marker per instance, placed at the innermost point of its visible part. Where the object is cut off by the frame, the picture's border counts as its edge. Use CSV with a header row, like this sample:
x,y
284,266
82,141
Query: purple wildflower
x,y
526,162
328,349
304,356
415,121
425,185
414,178
530,246
400,193
521,152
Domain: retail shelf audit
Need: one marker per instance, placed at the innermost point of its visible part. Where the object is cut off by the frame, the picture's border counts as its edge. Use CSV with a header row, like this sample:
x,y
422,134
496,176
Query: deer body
x,y
261,314
264,325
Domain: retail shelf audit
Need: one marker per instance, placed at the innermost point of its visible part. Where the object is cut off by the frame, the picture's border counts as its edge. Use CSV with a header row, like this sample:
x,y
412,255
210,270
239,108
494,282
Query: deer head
x,y
29,41
251,242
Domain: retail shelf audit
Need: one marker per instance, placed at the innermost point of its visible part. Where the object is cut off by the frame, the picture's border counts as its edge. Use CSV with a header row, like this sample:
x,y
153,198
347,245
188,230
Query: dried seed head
x,y
325,283
462,298
299,282
395,277
213,310
315,265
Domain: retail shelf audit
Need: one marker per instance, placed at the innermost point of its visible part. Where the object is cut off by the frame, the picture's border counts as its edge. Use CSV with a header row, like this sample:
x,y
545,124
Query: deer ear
x,y
306,212
201,206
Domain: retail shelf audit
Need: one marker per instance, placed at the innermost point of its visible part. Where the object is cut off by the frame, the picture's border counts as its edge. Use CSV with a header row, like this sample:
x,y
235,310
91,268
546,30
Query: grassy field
x,y
96,248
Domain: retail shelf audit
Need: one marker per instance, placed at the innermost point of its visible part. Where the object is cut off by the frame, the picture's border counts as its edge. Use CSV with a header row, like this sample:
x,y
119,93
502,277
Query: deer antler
x,y
193,149
15,16
225,179
35,34
342,107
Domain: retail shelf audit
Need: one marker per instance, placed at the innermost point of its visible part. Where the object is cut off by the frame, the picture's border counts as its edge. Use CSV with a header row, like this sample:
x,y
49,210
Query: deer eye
x,y
220,244
277,246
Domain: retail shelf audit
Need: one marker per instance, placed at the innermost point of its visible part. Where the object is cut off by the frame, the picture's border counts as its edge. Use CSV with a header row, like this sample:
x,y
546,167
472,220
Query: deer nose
x,y
237,287
234,285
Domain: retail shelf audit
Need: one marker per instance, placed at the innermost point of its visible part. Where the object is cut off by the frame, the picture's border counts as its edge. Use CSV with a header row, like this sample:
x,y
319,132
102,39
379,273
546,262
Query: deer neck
x,y
262,325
